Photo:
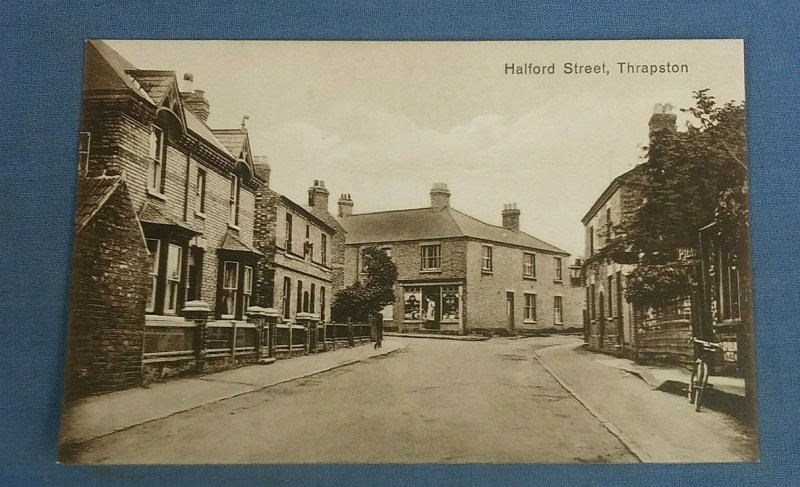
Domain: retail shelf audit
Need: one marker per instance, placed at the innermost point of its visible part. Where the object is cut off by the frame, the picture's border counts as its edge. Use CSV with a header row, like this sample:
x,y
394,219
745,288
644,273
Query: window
x,y
195,265
83,151
233,201
591,240
558,313
431,257
153,246
230,289
609,225
486,258
313,301
268,288
155,174
558,268
174,254
299,296
247,287
387,251
451,304
287,239
200,192
528,265
610,296
728,291
286,297
322,303
593,304
530,307
308,231
323,247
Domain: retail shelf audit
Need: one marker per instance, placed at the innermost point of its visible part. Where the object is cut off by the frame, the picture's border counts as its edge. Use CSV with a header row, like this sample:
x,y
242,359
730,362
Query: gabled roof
x,y
234,139
202,130
430,224
306,212
92,194
625,178
157,84
105,72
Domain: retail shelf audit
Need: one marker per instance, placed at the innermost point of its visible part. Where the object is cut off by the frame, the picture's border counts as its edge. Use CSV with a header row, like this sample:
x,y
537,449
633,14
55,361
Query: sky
x,y
383,121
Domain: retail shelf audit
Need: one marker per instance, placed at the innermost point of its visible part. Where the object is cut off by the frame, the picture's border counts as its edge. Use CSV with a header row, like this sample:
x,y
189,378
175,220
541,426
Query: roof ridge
x,y
388,211
455,222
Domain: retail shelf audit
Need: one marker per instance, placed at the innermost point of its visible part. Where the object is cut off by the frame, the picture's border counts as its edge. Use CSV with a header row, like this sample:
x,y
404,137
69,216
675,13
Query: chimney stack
x,y
318,195
511,216
662,119
345,205
193,99
440,196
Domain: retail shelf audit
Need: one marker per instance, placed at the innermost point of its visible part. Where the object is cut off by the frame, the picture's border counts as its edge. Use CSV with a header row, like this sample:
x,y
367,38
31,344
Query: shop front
x,y
432,306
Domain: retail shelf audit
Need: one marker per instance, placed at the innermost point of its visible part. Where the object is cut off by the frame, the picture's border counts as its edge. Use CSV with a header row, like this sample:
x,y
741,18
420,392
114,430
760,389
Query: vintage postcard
x,y
411,252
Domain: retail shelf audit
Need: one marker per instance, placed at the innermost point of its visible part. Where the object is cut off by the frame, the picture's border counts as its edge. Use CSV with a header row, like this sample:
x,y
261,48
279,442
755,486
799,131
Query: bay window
x,y
153,246
230,289
173,275
247,288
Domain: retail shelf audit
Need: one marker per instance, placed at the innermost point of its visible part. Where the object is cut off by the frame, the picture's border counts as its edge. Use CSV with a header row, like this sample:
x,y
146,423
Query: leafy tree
x,y
688,180
368,296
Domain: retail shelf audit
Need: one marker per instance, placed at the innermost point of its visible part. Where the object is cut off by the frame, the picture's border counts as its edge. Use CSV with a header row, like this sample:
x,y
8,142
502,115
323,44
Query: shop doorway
x,y
431,307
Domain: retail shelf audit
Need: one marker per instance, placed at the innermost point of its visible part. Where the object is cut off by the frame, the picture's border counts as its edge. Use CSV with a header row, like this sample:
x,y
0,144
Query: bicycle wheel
x,y
702,380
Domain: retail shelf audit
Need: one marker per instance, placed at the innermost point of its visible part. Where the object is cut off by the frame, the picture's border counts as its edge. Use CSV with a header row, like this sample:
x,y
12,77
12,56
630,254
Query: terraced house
x,y
145,146
458,274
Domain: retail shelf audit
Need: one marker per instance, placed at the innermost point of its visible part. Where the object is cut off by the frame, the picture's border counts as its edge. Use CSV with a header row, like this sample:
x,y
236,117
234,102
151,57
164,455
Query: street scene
x,y
408,407
549,264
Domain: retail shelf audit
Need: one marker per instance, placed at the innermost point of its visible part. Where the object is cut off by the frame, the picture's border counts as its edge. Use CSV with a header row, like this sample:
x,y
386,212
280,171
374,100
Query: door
x,y
431,304
510,309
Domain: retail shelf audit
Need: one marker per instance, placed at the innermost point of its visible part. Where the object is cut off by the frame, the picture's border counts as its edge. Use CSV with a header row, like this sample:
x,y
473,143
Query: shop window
x,y
431,257
451,303
530,307
412,302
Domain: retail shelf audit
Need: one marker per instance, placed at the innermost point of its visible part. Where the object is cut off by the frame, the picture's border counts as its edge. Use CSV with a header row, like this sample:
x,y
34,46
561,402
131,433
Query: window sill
x,y
529,278
430,271
487,271
200,214
233,227
530,322
155,194
558,281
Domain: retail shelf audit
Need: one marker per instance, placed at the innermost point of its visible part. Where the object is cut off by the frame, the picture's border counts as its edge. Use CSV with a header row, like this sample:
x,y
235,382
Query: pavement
x,y
436,336
98,416
628,399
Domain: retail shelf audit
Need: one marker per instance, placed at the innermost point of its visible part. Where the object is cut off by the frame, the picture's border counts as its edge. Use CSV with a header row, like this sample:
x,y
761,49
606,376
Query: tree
x,y
369,295
688,180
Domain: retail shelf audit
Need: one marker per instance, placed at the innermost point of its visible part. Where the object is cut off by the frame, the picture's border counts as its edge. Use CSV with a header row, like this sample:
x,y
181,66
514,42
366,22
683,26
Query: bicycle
x,y
699,380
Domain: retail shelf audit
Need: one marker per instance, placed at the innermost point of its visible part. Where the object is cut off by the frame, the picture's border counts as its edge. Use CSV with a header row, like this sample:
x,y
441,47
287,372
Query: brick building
x,y
297,275
191,190
613,324
458,274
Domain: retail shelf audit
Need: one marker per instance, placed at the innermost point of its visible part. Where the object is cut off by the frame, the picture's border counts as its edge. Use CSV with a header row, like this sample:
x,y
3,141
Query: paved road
x,y
434,401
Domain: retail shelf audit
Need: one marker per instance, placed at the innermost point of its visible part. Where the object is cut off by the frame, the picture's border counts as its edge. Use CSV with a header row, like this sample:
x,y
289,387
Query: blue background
x,y
41,78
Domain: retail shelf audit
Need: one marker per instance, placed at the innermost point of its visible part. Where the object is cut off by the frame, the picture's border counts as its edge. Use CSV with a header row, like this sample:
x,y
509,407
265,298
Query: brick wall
x,y
108,291
487,290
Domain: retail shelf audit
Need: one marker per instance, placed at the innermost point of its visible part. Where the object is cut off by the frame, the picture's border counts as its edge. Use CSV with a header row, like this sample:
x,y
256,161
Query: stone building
x,y
191,191
458,274
297,275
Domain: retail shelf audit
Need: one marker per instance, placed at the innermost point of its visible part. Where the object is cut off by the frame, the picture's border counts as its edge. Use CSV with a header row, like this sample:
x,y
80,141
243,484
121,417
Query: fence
x,y
176,348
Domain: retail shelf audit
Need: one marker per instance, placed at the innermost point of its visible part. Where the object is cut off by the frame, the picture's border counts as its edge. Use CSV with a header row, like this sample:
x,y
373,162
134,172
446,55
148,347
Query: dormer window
x,y
157,148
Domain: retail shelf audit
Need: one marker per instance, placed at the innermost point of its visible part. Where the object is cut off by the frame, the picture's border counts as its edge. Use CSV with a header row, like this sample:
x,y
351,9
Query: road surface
x,y
434,401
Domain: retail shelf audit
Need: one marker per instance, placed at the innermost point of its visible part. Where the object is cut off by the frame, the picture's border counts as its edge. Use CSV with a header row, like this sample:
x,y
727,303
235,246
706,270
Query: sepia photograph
x,y
411,252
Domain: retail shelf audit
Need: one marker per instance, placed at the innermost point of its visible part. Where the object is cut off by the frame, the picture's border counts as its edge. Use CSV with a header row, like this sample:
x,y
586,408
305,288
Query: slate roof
x,y
430,224
624,178
155,83
154,215
234,139
92,194
105,72
233,243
